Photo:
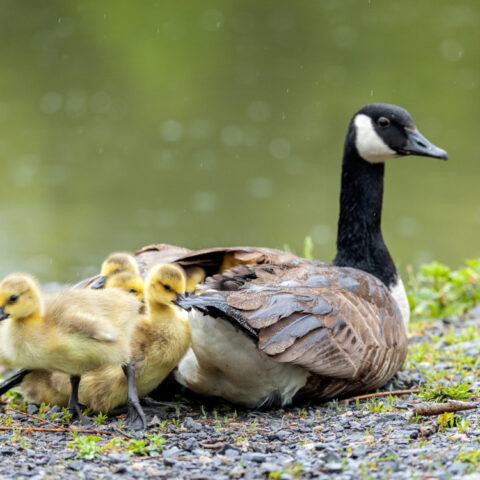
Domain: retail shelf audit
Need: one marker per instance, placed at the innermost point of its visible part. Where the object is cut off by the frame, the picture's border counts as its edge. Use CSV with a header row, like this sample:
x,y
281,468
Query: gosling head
x,y
129,282
19,297
163,283
113,264
380,131
195,275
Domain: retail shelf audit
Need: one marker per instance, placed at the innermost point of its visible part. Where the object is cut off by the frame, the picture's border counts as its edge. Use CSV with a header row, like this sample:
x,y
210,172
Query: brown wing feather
x,y
334,321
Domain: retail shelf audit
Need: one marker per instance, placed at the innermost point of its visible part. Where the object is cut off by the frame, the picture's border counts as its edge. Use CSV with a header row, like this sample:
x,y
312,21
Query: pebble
x,y
325,441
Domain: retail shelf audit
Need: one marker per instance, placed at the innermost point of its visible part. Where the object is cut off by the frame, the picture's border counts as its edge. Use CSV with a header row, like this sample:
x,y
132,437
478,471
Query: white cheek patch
x,y
369,144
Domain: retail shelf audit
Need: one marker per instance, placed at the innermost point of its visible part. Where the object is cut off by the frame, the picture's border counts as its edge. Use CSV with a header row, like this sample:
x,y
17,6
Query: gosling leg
x,y
136,419
73,406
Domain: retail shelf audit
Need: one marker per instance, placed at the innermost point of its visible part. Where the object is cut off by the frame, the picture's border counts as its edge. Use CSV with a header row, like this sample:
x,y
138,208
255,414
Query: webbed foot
x,y
136,419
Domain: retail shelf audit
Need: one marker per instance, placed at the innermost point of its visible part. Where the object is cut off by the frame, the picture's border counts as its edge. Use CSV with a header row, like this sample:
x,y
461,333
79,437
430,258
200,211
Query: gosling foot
x,y
136,419
76,414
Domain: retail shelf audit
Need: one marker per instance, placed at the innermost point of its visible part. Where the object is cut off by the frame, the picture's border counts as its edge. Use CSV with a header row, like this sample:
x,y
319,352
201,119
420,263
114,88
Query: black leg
x,y
13,380
135,417
73,406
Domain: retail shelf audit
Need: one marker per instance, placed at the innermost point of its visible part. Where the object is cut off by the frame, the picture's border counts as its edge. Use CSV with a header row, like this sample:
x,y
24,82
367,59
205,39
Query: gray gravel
x,y
216,441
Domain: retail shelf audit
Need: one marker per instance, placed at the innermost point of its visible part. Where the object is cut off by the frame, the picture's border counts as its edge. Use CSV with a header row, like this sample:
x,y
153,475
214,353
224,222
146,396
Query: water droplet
x,y
452,50
258,111
280,148
204,202
51,102
259,187
100,102
171,130
212,20
232,135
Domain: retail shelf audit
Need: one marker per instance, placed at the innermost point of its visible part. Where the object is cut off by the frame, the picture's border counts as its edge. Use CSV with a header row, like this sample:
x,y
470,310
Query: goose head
x,y
380,131
19,297
113,264
129,282
164,283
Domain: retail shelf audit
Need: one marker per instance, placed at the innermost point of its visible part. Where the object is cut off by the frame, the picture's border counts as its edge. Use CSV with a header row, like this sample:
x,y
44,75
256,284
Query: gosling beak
x,y
3,315
417,144
99,283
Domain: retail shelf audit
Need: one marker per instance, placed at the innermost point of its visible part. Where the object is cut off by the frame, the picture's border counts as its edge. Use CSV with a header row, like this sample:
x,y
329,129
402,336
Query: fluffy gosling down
x,y
119,270
74,331
114,264
159,340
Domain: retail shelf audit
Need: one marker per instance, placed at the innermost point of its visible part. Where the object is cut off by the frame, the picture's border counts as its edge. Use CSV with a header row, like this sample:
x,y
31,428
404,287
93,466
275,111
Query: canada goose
x,y
74,331
159,340
271,334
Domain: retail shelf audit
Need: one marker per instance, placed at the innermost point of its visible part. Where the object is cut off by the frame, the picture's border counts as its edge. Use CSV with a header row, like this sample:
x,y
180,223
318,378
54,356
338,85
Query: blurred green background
x,y
205,123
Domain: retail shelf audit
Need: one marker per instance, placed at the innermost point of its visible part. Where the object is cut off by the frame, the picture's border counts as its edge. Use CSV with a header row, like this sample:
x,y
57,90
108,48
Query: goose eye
x,y
13,299
383,122
133,290
166,287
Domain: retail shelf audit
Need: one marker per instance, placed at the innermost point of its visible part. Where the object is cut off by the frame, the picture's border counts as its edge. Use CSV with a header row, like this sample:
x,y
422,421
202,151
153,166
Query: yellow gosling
x,y
195,275
159,341
129,282
74,331
114,264
53,388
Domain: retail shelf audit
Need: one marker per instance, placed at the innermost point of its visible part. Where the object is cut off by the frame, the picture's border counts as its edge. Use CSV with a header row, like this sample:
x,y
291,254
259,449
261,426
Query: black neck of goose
x,y
359,241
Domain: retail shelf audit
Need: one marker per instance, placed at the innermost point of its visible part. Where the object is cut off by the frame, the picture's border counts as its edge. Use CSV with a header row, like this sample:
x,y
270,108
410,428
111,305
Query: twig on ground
x,y
380,394
57,430
213,444
427,409
56,425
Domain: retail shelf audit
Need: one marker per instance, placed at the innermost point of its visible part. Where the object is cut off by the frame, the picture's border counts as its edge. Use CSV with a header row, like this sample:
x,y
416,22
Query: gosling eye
x,y
167,287
13,299
383,122
133,290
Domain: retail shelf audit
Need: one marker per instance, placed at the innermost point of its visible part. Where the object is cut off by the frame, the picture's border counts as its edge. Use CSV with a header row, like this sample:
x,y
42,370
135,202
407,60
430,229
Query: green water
x,y
204,123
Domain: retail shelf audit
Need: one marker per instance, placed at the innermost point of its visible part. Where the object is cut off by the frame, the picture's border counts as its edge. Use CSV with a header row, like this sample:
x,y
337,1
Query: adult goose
x,y
270,334
269,327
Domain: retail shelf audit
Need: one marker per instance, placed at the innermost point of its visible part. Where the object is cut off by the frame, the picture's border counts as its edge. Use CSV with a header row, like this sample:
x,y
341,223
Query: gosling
x,y
195,275
74,331
160,339
119,270
114,264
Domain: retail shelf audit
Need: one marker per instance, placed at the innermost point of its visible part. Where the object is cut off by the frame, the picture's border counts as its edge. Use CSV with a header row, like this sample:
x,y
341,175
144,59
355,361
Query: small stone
x,y
267,467
156,472
75,465
256,457
190,444
32,409
232,453
190,424
171,452
333,467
